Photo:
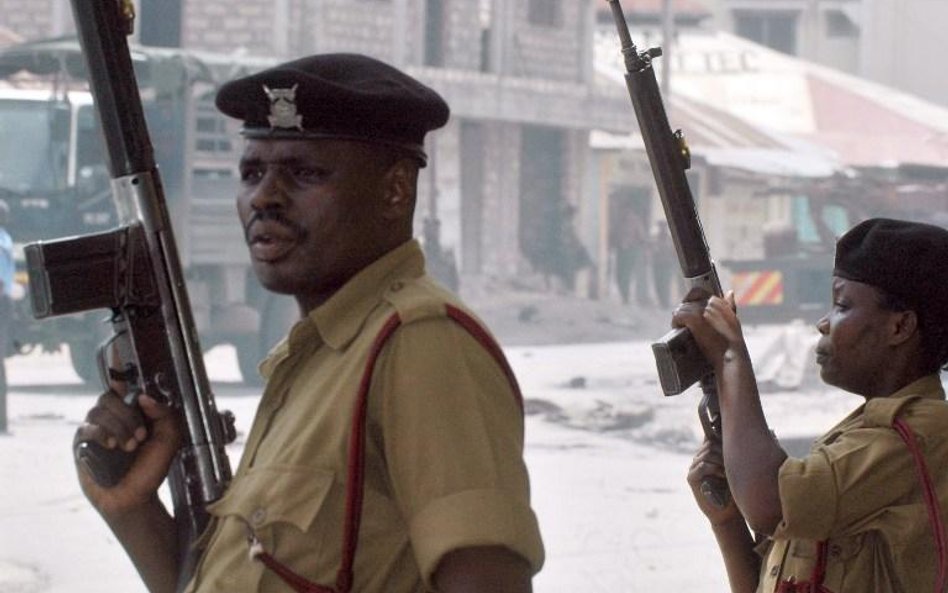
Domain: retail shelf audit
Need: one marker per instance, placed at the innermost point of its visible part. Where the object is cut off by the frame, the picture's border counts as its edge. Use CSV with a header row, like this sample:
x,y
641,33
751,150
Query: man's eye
x,y
250,175
309,173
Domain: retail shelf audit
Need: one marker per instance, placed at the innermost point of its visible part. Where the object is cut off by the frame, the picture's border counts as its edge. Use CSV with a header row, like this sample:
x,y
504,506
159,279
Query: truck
x,y
54,180
789,278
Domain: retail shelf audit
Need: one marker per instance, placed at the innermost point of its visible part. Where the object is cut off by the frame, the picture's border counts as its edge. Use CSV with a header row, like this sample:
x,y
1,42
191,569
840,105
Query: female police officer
x,y
861,512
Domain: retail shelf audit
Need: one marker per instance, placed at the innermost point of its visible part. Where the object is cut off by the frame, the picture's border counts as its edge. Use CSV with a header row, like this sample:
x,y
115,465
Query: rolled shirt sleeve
x,y
840,488
474,518
453,442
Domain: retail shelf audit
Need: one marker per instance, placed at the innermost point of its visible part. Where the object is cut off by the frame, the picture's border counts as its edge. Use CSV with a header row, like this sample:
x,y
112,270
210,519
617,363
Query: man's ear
x,y
398,201
903,326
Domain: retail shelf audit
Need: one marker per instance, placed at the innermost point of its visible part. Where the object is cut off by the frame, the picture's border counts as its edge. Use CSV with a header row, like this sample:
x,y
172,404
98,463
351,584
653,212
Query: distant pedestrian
x,y
629,241
7,269
664,263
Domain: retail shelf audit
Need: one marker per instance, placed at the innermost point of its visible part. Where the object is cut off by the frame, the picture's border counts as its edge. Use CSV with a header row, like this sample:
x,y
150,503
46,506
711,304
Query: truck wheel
x,y
278,315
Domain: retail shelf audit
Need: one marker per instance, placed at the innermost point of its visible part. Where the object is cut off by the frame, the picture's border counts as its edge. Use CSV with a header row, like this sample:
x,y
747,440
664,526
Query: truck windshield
x,y
818,223
31,159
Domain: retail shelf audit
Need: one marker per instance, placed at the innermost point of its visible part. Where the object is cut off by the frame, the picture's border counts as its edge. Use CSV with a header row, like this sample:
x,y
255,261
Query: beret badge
x,y
283,108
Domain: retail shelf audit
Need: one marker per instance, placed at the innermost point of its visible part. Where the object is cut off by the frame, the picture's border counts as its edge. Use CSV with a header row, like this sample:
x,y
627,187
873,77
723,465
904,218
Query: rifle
x,y
135,271
679,360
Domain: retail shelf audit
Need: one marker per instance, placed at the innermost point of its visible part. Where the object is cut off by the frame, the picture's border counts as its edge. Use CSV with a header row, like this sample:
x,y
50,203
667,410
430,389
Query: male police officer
x,y
328,179
852,515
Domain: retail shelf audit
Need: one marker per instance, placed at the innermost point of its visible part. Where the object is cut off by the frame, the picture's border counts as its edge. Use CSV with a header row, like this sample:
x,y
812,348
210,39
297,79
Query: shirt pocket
x,y
279,504
845,568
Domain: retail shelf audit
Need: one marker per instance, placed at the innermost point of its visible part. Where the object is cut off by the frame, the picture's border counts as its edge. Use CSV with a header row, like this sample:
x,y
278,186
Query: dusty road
x,y
606,453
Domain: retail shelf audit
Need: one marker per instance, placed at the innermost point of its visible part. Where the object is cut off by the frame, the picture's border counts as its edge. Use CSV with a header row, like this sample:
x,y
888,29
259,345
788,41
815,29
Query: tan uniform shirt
x,y
444,452
858,489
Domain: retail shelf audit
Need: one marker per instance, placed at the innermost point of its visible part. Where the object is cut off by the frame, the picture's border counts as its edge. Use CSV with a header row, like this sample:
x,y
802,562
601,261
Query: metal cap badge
x,y
283,108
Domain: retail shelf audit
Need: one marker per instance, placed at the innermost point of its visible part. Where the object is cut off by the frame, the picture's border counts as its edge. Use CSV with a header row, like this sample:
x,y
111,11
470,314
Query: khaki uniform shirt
x,y
858,489
444,451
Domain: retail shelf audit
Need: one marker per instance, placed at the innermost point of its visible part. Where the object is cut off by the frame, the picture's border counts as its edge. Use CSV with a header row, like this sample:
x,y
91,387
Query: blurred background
x,y
802,116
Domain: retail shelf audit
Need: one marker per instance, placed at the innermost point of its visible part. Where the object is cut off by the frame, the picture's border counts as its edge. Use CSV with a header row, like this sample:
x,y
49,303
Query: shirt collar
x,y
339,319
928,387
881,411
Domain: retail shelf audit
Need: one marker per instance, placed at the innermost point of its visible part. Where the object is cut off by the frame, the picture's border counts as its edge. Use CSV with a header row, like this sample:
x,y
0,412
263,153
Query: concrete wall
x,y
551,52
555,59
364,26
898,44
903,46
31,19
229,26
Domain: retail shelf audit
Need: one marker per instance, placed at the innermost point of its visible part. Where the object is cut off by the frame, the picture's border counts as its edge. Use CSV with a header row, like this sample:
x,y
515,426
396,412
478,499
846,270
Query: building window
x,y
546,13
434,33
486,19
775,29
839,25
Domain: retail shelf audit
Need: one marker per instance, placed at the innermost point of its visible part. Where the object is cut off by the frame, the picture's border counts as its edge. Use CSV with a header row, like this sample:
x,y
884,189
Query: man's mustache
x,y
272,215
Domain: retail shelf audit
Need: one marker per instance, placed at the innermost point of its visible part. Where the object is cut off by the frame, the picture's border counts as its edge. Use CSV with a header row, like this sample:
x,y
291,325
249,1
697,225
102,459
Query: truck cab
x,y
51,168
54,178
788,278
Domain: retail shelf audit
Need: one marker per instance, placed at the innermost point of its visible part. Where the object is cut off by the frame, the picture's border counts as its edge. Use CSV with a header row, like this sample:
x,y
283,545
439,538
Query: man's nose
x,y
823,325
269,193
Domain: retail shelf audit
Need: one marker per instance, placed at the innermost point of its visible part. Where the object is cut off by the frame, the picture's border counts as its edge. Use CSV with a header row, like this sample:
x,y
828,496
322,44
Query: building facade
x,y
507,173
787,155
894,42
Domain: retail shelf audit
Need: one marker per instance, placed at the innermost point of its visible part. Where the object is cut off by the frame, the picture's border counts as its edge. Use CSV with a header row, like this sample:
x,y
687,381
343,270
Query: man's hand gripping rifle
x,y
135,272
680,362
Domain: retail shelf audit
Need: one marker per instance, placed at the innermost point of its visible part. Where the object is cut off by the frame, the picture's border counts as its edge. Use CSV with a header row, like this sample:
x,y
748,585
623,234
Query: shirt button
x,y
836,550
397,285
258,517
774,570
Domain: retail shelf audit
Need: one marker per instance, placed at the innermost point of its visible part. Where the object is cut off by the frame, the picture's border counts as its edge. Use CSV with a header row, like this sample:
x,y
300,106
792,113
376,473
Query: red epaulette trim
x,y
355,479
931,497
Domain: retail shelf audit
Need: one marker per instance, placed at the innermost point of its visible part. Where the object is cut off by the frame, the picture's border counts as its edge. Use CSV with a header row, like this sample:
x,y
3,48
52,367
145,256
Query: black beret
x,y
346,96
908,260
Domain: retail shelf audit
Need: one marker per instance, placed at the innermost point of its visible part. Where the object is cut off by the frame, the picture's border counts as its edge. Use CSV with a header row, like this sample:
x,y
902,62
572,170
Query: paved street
x,y
607,457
